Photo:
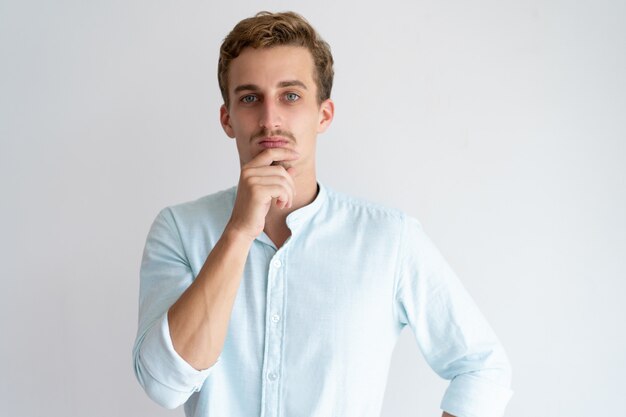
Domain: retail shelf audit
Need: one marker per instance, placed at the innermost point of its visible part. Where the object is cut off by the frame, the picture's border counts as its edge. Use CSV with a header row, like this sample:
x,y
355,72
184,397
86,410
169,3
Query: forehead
x,y
266,67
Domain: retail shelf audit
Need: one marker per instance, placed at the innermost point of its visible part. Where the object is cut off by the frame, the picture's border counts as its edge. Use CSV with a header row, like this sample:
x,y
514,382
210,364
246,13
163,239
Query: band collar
x,y
300,217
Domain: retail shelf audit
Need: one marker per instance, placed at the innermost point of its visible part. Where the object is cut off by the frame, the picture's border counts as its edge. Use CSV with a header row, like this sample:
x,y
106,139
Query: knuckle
x,y
248,181
245,172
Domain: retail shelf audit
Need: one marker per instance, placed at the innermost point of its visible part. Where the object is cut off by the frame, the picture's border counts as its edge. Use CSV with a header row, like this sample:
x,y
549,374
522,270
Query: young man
x,y
282,297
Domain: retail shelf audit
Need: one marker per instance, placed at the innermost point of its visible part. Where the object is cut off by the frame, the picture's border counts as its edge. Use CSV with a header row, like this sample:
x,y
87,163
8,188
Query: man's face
x,y
273,103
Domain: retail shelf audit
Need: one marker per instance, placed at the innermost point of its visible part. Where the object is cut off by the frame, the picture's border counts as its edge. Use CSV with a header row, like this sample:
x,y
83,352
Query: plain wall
x,y
500,125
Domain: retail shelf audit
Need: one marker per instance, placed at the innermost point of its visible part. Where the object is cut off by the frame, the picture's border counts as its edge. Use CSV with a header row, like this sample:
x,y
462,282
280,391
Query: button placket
x,y
274,337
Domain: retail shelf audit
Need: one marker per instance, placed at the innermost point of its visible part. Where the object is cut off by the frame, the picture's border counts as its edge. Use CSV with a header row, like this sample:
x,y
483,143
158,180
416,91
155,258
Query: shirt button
x,y
272,376
277,263
275,318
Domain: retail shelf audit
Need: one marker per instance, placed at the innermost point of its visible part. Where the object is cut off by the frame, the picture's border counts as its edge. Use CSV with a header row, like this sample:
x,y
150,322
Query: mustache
x,y
278,132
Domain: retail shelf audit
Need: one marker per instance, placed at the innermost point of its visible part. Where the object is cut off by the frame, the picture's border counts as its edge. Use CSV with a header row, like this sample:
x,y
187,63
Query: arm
x,y
198,321
446,415
177,346
453,335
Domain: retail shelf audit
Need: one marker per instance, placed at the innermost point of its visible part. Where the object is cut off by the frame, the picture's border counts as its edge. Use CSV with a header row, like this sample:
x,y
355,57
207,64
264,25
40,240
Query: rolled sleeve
x,y
165,365
165,274
472,396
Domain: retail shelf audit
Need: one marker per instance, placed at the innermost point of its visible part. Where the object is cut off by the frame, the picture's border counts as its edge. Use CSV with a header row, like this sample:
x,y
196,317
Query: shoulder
x,y
210,209
361,210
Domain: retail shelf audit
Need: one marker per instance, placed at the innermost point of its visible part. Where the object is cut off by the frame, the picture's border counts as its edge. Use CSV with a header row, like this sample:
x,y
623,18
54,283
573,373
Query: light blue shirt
x,y
315,322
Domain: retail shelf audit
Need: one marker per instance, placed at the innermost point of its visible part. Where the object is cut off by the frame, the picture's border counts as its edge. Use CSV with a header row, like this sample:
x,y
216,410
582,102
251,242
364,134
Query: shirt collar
x,y
300,217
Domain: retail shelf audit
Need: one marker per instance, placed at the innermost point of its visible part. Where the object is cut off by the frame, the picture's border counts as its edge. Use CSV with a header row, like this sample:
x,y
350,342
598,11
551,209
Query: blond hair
x,y
266,30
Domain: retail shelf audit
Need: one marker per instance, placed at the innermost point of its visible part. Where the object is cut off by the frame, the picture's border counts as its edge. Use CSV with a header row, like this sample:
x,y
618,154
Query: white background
x,y
501,125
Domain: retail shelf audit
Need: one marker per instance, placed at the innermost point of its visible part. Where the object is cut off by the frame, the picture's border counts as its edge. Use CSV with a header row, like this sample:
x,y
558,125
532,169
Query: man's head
x,y
276,75
266,30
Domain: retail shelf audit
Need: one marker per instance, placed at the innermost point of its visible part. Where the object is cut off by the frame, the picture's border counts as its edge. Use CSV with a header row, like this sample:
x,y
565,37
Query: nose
x,y
270,116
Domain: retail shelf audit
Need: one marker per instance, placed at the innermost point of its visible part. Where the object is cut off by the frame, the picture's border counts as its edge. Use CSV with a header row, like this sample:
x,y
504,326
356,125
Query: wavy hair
x,y
266,30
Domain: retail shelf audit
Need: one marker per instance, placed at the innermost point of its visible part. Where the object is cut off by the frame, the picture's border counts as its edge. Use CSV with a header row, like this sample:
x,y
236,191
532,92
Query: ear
x,y
225,121
326,114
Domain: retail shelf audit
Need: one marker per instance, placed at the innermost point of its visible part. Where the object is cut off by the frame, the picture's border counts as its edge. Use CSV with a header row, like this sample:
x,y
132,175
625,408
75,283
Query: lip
x,y
273,142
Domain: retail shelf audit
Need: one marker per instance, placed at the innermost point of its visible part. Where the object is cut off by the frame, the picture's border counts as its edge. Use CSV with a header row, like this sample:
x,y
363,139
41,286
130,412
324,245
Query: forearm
x,y
446,415
198,321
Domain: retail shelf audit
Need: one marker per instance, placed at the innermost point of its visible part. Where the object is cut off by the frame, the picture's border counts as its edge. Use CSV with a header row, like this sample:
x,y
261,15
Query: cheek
x,y
307,123
244,126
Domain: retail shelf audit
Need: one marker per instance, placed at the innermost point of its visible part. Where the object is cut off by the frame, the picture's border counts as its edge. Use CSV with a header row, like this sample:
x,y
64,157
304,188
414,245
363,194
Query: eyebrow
x,y
282,84
292,83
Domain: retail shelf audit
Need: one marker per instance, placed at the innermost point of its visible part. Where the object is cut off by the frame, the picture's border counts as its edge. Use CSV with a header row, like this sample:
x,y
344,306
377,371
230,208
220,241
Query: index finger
x,y
270,155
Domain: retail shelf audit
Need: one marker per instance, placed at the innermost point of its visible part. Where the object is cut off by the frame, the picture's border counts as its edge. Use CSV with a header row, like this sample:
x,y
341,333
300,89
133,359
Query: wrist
x,y
232,234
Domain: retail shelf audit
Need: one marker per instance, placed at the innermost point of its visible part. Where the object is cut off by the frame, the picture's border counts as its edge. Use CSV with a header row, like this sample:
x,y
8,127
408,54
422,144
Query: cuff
x,y
165,365
471,396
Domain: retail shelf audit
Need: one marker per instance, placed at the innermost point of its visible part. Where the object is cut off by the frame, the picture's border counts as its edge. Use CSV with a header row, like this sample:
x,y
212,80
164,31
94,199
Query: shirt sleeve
x,y
165,274
454,337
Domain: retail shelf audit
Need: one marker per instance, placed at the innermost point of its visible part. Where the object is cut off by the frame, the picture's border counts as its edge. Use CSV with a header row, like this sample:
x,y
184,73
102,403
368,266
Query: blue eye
x,y
292,97
248,99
